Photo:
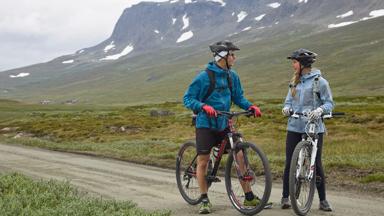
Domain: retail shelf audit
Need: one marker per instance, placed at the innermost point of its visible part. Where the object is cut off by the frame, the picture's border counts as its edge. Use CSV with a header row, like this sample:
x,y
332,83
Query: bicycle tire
x,y
186,180
261,189
301,207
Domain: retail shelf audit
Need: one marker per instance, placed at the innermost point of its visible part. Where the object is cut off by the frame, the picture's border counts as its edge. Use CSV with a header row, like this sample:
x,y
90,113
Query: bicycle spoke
x,y
186,174
302,189
254,175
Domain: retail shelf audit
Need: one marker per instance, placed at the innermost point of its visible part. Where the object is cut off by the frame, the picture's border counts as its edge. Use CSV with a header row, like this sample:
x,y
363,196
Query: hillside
x,y
350,58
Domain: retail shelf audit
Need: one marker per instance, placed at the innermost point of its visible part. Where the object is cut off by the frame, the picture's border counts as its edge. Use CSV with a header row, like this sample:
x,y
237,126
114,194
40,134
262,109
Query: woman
x,y
308,91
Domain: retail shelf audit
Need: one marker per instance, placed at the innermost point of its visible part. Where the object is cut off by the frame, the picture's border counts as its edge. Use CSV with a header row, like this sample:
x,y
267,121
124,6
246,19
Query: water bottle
x,y
215,151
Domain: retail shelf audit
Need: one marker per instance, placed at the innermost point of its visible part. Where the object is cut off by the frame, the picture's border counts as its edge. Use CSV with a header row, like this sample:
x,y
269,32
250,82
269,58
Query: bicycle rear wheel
x,y
255,175
186,179
301,189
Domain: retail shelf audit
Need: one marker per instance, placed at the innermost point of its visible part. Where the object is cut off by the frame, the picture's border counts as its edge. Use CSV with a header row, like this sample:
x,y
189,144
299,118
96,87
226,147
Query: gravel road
x,y
153,188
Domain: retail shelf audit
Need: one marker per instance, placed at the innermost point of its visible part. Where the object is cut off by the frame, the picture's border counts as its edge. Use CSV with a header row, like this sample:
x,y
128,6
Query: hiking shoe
x,y
255,201
205,207
325,206
285,203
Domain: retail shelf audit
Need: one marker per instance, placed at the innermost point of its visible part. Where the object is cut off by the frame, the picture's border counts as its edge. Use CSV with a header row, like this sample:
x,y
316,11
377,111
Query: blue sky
x,y
35,31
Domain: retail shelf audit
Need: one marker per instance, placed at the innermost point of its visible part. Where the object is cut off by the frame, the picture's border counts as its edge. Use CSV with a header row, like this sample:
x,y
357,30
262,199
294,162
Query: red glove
x,y
211,112
256,111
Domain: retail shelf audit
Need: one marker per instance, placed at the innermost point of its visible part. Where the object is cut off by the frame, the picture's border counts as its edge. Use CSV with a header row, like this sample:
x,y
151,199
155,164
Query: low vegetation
x,y
353,153
20,195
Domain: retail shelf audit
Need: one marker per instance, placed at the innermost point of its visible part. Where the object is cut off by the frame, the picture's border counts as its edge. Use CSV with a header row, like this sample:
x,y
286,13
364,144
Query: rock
x,y
155,113
9,129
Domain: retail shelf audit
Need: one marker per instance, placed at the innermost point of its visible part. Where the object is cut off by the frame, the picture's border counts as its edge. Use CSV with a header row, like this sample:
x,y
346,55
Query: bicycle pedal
x,y
213,179
216,180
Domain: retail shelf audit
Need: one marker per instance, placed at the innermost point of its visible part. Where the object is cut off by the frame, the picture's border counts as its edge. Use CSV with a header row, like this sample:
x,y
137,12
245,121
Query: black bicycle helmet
x,y
223,46
305,57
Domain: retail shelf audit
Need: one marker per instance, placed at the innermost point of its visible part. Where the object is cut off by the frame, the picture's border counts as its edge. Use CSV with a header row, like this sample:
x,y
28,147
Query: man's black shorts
x,y
207,138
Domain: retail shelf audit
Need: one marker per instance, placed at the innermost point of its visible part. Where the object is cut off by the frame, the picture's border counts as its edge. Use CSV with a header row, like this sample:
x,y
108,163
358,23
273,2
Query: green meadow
x,y
353,152
20,195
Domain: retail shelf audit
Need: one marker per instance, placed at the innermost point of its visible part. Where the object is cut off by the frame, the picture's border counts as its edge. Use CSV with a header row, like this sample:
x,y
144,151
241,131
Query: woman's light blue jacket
x,y
305,101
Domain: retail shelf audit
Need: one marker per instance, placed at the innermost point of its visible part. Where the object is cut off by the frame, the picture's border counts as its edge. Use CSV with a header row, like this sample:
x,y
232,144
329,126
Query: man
x,y
203,100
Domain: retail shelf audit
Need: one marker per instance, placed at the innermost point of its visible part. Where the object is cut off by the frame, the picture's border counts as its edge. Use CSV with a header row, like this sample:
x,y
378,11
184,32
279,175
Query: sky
x,y
35,31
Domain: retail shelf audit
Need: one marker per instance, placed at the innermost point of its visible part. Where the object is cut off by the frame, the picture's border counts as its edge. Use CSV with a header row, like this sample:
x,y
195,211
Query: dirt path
x,y
150,187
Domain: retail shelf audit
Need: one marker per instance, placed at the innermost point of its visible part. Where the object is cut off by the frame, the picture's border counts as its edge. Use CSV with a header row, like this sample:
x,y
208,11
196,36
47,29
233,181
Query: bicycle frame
x,y
240,177
312,137
313,141
222,146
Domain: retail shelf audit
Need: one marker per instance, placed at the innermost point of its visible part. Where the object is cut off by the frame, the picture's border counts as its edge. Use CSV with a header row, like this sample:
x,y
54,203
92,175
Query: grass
x,y
20,195
376,177
353,143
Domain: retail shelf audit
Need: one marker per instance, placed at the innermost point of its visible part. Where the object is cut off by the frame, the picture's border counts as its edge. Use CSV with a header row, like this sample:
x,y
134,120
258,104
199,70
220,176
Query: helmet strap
x,y
226,63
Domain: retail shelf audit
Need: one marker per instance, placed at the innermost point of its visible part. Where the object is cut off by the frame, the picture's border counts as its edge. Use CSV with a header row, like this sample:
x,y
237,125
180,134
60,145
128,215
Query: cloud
x,y
38,31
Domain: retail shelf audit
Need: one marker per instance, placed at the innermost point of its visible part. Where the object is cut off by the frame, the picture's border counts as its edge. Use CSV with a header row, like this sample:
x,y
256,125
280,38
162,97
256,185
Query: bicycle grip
x,y
338,113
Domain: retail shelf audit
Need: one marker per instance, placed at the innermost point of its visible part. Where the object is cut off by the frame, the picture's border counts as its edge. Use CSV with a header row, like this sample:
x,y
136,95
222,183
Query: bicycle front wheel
x,y
249,171
186,179
301,187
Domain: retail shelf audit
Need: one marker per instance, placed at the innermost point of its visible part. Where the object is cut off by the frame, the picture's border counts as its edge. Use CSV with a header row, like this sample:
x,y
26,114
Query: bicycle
x,y
250,171
302,172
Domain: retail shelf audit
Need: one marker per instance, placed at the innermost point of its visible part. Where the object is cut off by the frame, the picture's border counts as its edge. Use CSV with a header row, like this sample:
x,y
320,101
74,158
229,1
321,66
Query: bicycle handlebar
x,y
324,115
230,115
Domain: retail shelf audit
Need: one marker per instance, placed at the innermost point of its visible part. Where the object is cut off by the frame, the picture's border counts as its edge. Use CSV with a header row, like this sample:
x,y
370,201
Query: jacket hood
x,y
310,75
214,67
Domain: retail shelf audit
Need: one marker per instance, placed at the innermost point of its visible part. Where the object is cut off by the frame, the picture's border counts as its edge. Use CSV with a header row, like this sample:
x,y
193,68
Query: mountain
x,y
156,49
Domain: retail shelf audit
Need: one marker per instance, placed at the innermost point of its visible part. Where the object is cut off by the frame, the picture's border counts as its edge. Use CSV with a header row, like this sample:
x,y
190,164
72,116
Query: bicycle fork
x,y
313,159
301,158
241,171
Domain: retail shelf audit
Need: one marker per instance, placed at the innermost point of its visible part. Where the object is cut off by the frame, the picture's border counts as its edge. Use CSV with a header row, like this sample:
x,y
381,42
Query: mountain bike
x,y
247,167
302,172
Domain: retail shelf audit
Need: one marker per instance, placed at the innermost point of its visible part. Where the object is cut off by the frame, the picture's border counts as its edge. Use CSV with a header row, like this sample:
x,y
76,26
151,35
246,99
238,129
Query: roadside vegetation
x,y
20,195
151,134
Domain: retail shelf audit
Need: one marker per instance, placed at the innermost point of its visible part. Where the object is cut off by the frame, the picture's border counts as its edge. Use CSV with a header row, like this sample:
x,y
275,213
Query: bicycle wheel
x,y
301,189
255,175
186,179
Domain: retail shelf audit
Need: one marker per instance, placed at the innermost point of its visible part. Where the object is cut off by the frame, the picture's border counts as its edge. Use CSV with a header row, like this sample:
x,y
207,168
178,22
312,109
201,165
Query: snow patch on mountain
x,y
185,21
241,16
185,36
303,1
377,13
274,5
109,47
341,24
19,75
189,1
219,1
372,14
349,13
126,51
258,18
68,61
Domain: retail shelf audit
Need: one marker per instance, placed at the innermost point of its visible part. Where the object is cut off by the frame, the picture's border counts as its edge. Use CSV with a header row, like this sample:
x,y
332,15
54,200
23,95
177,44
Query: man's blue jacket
x,y
220,99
